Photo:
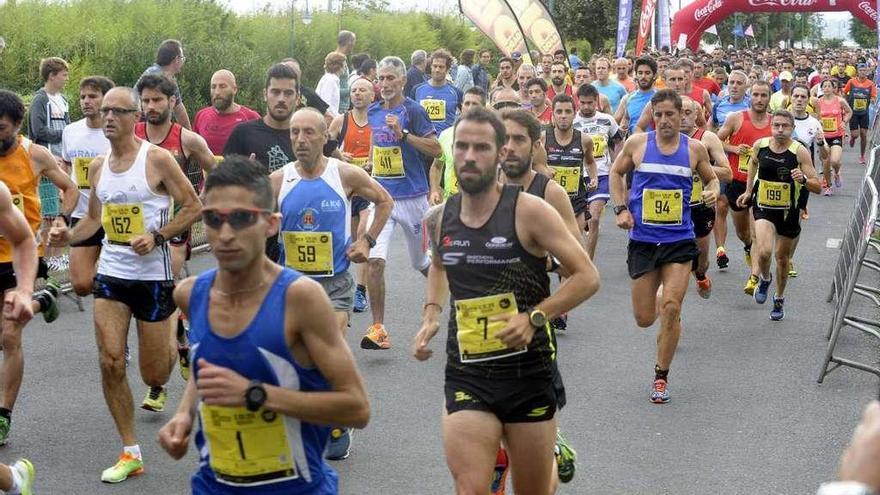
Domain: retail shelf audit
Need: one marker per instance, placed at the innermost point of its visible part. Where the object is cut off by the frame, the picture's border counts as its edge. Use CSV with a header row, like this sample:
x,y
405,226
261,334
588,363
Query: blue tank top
x,y
315,222
241,452
441,104
725,107
660,194
635,105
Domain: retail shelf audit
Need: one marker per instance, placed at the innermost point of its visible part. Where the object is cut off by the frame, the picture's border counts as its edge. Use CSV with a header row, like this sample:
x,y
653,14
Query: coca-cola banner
x,y
495,19
646,18
663,37
693,19
624,18
537,25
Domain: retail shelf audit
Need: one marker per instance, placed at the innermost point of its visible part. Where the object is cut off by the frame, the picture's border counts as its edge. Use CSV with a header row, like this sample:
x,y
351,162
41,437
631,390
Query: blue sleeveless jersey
x,y
412,180
635,105
658,199
264,461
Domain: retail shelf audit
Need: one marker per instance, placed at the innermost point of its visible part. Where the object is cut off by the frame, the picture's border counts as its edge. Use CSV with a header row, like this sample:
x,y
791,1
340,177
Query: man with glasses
x,y
133,187
169,62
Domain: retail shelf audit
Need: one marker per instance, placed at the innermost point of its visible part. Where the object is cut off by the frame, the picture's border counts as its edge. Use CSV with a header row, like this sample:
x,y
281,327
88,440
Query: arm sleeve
x,y
39,129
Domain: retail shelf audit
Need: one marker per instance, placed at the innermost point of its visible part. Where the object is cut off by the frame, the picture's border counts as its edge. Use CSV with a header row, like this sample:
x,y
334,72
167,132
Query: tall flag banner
x,y
738,30
714,30
646,18
664,37
496,20
749,32
877,68
624,19
537,25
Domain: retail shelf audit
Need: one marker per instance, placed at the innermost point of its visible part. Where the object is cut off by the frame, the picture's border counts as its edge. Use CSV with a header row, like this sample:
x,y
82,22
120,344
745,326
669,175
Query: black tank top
x,y
490,261
775,188
570,156
538,187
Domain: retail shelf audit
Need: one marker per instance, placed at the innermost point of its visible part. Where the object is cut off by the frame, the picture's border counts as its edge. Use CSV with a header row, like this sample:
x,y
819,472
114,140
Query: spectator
x,y
328,85
480,71
464,78
49,112
416,73
345,41
356,61
859,471
215,123
573,60
368,71
308,97
169,62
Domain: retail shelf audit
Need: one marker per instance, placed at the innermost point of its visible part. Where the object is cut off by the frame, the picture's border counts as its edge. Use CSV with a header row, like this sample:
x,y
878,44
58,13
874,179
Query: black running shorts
x,y
94,241
522,400
703,218
7,274
645,257
149,300
734,190
787,222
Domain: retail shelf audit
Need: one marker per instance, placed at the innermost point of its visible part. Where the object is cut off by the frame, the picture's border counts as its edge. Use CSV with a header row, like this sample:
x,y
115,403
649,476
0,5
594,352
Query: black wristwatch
x,y
255,396
404,136
158,239
537,318
619,208
370,241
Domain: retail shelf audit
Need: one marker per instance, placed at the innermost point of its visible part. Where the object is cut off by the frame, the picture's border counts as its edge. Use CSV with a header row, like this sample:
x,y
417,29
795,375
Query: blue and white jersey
x,y
441,103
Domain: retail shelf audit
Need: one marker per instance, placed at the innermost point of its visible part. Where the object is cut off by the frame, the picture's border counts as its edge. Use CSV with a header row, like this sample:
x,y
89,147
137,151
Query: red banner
x,y
646,18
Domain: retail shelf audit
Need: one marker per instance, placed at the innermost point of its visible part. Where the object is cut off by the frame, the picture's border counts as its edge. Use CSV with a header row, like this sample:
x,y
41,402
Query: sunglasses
x,y
501,105
238,219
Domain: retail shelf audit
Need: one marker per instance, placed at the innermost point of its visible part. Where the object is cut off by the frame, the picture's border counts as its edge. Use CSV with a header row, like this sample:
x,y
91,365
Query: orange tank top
x,y
356,140
18,175
831,117
747,134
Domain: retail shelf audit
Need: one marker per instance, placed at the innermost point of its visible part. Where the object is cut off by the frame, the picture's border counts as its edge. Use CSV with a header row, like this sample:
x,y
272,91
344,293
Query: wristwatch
x,y
370,241
845,488
255,396
537,318
158,239
619,208
405,133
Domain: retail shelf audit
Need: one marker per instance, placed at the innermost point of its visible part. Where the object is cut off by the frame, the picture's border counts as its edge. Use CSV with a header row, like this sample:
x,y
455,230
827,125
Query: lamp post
x,y
292,21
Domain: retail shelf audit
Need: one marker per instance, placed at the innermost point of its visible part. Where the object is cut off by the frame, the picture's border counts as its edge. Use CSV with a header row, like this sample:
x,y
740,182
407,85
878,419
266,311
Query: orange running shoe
x,y
376,338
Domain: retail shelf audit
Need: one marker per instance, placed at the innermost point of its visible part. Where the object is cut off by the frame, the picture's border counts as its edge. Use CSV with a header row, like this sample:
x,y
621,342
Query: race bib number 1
x,y
310,253
569,178
122,222
662,206
477,339
81,169
388,162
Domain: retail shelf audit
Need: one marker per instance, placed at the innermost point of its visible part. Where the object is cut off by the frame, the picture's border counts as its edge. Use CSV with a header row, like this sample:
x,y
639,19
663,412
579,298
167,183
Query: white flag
x,y
712,30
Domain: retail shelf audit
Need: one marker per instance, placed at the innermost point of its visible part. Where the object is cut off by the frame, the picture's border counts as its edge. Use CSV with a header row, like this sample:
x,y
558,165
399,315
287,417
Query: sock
x,y
700,276
6,413
133,450
181,330
15,489
361,288
43,300
660,374
748,248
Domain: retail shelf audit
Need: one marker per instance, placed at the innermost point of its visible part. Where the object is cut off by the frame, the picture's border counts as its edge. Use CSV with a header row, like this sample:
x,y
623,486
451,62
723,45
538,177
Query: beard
x,y
160,118
478,184
221,103
517,167
281,114
557,81
7,144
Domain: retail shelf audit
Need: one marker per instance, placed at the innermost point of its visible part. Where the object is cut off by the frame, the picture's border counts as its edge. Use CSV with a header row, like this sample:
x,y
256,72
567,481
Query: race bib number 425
x,y
436,109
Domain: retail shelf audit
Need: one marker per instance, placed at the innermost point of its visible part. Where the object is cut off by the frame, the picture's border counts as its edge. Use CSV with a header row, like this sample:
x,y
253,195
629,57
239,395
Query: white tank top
x,y
130,208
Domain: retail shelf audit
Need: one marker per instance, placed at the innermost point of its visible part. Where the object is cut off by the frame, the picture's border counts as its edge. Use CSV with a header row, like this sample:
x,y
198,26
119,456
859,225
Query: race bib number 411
x,y
388,162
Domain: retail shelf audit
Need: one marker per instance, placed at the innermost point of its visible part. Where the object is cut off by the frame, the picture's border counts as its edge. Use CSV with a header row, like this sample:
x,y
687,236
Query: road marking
x,y
832,243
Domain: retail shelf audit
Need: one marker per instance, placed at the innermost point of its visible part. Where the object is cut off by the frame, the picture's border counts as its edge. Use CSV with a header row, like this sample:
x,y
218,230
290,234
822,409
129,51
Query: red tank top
x,y
831,117
173,142
747,134
356,140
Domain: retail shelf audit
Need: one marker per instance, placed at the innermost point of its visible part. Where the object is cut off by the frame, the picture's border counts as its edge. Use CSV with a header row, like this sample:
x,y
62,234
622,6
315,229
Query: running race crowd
x,y
496,180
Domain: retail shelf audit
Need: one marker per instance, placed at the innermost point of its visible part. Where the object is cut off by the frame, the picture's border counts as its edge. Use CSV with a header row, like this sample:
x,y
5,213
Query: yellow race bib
x,y
310,253
829,124
697,191
122,222
247,447
476,335
81,171
388,162
662,206
600,144
775,195
743,164
569,178
860,104
360,161
436,109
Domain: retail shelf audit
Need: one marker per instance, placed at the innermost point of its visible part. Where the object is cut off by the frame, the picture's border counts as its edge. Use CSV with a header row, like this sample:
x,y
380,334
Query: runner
x,y
740,131
633,104
695,92
442,177
605,135
401,133
583,75
661,249
781,167
702,216
861,93
518,230
558,84
536,89
677,80
608,87
834,113
215,122
82,141
735,100
295,377
506,75
524,74
134,185
621,71
440,99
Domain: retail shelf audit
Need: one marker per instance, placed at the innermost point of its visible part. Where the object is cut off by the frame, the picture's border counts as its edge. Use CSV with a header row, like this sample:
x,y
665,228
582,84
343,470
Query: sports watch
x,y
405,135
158,239
370,241
537,318
255,396
619,208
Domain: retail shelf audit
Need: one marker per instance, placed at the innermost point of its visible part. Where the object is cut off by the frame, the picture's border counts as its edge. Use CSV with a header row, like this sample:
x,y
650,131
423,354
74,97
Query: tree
x,y
862,34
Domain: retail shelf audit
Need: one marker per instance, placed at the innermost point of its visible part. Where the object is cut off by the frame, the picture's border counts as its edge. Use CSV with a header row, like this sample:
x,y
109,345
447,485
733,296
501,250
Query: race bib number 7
x,y
662,206
477,334
81,170
122,222
600,144
743,164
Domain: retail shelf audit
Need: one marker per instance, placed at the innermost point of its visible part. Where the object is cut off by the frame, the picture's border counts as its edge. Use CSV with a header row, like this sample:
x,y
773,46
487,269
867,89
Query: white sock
x,y
16,482
133,450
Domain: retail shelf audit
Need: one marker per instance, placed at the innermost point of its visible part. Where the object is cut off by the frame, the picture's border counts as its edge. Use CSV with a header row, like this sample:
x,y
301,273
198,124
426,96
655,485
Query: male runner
x,y
621,71
696,93
133,187
440,99
661,249
215,122
492,243
82,141
735,100
633,104
442,175
536,89
739,132
558,84
269,376
402,133
314,201
861,93
676,80
780,167
506,75
608,87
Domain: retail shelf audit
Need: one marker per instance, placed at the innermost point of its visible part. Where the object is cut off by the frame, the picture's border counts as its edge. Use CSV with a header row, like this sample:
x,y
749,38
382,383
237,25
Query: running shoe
x,y
376,338
704,287
27,473
761,292
53,286
721,258
792,273
183,360
360,300
826,191
560,322
127,355
659,392
566,458
777,313
499,477
155,399
5,424
339,446
862,160
127,465
751,284
48,305
838,182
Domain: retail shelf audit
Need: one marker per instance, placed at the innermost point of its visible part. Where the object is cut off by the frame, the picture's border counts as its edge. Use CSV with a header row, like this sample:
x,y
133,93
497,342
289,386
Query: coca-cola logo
x,y
868,9
645,20
783,3
704,11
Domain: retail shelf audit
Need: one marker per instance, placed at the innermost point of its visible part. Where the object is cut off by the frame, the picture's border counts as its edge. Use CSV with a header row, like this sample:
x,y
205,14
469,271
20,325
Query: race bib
x,y
860,104
743,165
600,144
697,191
774,194
310,253
81,170
662,206
247,447
388,162
477,339
436,109
360,161
122,222
569,178
829,124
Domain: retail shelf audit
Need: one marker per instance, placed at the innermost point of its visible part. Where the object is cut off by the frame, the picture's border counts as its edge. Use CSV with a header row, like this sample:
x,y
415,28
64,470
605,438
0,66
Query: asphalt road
x,y
746,416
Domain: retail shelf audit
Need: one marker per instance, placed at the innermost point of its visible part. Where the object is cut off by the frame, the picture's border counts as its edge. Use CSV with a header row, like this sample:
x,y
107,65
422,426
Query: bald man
x,y
215,123
621,69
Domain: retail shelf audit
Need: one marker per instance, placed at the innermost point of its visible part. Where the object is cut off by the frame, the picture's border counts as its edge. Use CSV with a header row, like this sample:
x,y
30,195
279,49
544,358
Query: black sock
x,y
361,287
700,276
181,331
43,299
6,413
660,374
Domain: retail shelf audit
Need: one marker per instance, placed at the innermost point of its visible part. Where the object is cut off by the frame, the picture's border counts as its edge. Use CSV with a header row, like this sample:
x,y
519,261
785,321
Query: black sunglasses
x,y
239,218
501,105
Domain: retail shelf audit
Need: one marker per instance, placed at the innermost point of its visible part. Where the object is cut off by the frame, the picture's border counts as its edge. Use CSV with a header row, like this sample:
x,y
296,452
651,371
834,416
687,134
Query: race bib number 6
x,y
662,206
569,178
477,339
122,222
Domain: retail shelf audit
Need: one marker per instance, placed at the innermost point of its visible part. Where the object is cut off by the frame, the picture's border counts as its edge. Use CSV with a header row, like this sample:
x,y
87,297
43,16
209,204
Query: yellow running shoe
x,y
155,399
27,473
751,285
127,465
376,338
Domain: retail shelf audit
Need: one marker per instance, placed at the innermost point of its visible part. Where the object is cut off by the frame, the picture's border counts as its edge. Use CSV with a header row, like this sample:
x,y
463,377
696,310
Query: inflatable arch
x,y
700,15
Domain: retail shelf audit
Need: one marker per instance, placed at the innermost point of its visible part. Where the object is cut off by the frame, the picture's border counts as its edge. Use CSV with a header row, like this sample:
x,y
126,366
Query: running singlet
x,y
602,128
490,273
538,187
80,144
450,181
18,175
725,107
659,197
831,117
859,94
808,131
568,163
172,142
355,140
635,105
129,208
315,226
244,452
441,103
397,165
747,134
696,197
774,187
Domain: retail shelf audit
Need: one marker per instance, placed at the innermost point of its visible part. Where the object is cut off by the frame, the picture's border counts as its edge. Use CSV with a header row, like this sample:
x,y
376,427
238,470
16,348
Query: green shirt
x,y
450,181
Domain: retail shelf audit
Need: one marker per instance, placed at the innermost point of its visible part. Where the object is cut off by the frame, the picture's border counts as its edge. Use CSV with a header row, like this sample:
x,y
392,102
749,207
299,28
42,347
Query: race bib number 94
x,y
662,206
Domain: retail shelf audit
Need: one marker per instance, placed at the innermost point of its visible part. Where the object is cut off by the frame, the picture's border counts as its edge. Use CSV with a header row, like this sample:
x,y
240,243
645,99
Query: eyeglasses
x,y
501,105
238,219
117,111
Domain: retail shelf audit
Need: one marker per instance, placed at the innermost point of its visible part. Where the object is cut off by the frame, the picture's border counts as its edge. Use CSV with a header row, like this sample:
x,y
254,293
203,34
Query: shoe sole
x,y
777,319
660,401
136,472
28,489
368,344
147,407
